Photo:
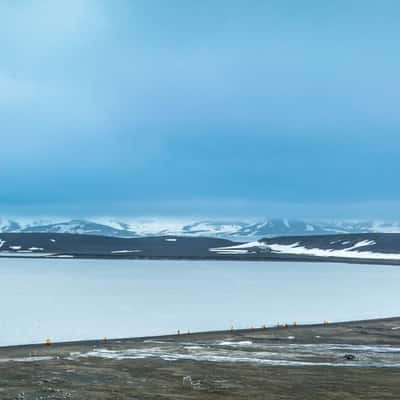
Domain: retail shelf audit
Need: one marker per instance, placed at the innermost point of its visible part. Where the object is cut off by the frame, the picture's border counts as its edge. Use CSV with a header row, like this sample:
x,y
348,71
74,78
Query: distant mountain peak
x,y
222,229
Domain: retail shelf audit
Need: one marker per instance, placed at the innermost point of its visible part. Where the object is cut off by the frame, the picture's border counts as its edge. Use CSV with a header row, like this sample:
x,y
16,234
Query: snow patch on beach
x,y
234,344
27,359
258,353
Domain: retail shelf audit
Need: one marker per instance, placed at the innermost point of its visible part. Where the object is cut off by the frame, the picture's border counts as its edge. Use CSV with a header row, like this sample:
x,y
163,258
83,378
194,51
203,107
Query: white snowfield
x,y
125,251
241,248
296,249
254,229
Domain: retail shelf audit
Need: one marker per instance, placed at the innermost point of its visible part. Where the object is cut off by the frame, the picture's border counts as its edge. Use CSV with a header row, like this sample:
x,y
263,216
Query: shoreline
x,y
272,258
347,360
202,334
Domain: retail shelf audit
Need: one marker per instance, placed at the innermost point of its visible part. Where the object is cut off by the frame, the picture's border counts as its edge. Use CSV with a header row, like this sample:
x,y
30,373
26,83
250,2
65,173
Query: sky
x,y
200,108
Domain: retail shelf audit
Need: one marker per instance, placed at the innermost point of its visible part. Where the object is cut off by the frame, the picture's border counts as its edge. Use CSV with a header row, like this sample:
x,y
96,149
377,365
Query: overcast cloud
x,y
199,108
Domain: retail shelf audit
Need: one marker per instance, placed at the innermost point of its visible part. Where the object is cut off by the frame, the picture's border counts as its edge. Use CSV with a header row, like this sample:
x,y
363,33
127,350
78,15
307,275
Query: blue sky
x,y
211,108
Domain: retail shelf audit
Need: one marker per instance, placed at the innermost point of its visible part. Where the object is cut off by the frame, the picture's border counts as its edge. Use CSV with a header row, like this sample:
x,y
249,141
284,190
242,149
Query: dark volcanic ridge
x,y
378,248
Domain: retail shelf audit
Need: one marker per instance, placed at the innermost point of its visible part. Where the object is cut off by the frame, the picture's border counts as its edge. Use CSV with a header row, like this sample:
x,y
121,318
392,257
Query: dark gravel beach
x,y
353,360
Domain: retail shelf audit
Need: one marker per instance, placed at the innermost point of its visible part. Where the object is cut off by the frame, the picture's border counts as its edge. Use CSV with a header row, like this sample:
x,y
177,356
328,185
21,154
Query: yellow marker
x,y
48,342
326,322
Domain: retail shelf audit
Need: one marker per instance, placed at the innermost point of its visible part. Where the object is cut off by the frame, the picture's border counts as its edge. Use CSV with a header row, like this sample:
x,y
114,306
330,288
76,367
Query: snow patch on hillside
x,y
350,252
353,251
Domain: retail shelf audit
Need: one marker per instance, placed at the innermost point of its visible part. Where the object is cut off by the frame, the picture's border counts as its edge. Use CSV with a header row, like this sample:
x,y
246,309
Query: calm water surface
x,y
89,299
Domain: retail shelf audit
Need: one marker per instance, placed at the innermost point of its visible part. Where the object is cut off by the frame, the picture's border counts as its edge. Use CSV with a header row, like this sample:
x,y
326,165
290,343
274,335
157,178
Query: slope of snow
x,y
343,253
125,251
145,227
353,251
212,228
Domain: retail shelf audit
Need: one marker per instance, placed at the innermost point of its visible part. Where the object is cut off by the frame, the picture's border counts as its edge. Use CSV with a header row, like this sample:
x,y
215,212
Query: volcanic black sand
x,y
353,360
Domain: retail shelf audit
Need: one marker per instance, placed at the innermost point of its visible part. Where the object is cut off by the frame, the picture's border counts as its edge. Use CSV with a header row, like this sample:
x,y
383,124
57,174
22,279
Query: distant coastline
x,y
393,322
367,248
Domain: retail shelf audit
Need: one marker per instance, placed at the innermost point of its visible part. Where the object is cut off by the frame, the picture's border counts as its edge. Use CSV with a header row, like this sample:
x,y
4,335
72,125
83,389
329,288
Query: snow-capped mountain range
x,y
229,230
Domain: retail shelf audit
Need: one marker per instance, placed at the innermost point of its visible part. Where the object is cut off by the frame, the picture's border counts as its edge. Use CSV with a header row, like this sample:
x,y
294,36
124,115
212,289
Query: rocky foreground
x,y
355,360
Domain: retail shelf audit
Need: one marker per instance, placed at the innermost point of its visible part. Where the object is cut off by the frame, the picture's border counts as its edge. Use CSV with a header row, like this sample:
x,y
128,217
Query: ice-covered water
x,y
88,299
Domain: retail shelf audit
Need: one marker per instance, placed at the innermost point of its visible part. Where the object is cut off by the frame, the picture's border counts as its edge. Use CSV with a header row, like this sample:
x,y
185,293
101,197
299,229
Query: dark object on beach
x,y
349,357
